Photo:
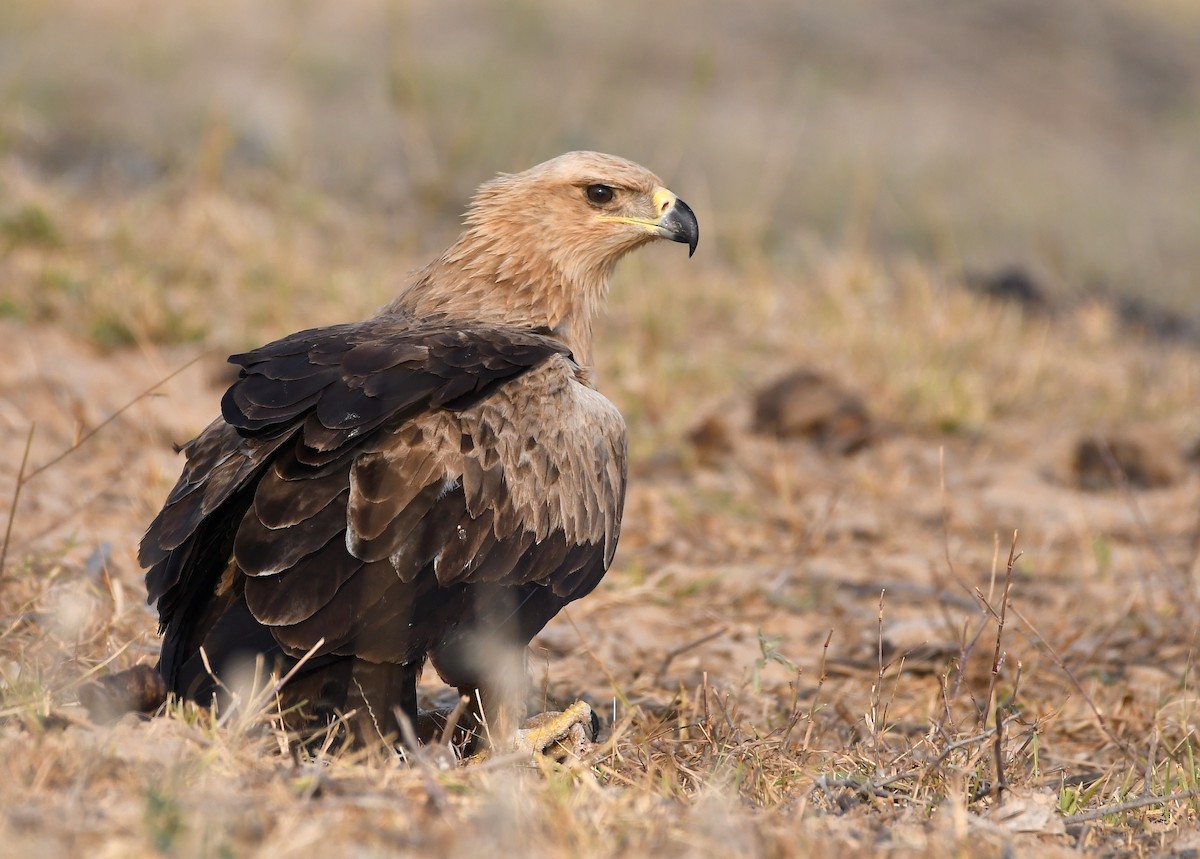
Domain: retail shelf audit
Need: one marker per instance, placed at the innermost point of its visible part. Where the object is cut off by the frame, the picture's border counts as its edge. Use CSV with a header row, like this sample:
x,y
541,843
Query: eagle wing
x,y
363,476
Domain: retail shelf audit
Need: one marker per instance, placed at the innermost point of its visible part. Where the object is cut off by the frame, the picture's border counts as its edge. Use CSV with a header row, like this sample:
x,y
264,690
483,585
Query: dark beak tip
x,y
688,228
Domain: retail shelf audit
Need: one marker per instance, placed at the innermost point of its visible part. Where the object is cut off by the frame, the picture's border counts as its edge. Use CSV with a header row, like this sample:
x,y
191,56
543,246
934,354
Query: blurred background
x,y
1060,140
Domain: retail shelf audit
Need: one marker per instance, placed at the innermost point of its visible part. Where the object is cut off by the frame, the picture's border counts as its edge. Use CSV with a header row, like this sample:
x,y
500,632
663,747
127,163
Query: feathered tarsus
x,y
435,482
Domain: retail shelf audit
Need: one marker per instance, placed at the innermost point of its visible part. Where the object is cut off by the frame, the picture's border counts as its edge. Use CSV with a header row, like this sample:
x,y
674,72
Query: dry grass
x,y
796,652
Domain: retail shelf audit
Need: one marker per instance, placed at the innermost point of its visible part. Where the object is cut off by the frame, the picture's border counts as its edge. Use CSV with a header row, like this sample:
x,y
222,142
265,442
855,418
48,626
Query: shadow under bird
x,y
434,483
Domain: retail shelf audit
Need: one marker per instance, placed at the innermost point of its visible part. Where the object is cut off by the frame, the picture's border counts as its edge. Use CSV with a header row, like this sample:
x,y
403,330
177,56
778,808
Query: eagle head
x,y
539,246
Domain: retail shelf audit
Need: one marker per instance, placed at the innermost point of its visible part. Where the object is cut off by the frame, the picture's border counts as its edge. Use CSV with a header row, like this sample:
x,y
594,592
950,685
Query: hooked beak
x,y
676,220
678,223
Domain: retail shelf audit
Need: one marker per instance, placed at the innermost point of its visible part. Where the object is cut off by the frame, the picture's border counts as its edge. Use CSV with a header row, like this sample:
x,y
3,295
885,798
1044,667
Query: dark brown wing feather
x,y
298,593
364,476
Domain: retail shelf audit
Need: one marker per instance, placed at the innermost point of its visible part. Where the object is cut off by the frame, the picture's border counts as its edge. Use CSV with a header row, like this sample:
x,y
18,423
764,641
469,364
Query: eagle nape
x,y
431,485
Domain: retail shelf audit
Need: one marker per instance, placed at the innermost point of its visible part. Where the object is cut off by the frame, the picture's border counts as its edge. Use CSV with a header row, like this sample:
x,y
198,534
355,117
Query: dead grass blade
x,y
83,439
1130,805
16,496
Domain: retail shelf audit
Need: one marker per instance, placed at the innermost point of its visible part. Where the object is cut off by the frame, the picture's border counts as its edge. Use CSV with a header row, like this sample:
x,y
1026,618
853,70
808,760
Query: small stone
x,y
139,689
806,404
1104,461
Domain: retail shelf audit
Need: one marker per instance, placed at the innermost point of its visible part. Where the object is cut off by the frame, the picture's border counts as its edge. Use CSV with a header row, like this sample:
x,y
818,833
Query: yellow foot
x,y
571,733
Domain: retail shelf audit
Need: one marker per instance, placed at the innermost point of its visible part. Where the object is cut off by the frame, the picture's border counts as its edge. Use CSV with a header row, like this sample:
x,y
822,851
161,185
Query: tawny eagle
x,y
422,485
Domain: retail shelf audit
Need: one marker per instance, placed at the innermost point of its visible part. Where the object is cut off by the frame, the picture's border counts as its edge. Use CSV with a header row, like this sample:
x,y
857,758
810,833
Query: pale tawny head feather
x,y
539,247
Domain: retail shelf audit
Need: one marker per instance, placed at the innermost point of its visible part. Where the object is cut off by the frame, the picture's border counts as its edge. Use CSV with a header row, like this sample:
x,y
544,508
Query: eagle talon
x,y
560,735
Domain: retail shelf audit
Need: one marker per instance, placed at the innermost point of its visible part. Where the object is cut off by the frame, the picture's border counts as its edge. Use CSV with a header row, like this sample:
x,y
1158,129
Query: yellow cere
x,y
663,200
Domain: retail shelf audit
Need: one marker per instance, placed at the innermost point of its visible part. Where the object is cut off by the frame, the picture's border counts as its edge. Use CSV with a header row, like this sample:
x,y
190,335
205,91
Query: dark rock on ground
x,y
1010,283
806,404
1106,461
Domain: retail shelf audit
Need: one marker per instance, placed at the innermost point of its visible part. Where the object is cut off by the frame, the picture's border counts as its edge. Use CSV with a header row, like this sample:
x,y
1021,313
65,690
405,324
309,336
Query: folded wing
x,y
364,476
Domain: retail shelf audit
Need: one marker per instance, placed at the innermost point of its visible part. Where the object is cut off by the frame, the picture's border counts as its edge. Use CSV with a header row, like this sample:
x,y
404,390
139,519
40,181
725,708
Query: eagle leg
x,y
381,701
498,706
365,702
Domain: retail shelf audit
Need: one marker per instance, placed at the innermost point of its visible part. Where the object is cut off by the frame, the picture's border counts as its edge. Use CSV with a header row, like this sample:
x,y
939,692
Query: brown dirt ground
x,y
795,645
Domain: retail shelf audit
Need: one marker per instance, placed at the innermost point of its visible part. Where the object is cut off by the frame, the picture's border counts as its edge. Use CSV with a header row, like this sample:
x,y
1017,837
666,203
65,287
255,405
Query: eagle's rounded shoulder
x,y
551,403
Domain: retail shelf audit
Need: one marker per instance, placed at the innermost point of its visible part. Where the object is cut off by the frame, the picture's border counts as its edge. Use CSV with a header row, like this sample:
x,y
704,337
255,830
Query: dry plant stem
x,y
945,511
384,740
16,496
995,564
208,669
23,478
812,710
951,747
968,645
98,667
1148,775
986,612
998,655
1131,805
963,655
874,786
815,530
982,736
1195,541
408,733
877,692
83,439
447,735
69,515
946,523
998,752
258,699
483,720
415,754
285,679
612,679
725,714
1129,753
866,788
676,652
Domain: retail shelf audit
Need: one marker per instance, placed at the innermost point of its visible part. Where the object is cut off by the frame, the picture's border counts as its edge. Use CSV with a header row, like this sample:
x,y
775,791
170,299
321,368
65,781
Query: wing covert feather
x,y
387,463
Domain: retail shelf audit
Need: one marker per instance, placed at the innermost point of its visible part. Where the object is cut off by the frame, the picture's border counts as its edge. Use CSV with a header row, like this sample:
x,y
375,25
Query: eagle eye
x,y
599,195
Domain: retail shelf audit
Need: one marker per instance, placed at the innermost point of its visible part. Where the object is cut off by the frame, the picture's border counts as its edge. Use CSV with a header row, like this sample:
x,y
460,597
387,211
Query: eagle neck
x,y
477,281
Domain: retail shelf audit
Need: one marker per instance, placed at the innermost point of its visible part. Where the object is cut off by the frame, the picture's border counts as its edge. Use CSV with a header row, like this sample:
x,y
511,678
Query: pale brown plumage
x,y
426,483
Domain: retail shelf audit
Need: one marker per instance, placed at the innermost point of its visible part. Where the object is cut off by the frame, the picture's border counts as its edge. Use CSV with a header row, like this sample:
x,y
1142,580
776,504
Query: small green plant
x,y
163,819
30,226
768,646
